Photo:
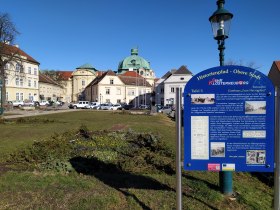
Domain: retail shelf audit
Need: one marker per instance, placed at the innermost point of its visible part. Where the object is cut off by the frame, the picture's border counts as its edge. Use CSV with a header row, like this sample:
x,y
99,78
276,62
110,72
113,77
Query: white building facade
x,y
166,86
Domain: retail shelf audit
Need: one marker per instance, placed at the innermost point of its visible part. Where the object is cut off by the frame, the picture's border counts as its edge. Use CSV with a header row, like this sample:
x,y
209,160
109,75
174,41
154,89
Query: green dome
x,y
86,66
134,62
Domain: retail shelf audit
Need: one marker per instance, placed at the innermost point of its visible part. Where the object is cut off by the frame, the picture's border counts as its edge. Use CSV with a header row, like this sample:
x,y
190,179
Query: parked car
x,y
44,103
18,103
165,110
128,106
144,106
158,107
36,103
94,105
80,105
106,106
116,107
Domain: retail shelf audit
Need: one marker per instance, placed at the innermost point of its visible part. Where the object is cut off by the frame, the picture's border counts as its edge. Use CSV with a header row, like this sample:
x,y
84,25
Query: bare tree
x,y
8,34
53,74
251,64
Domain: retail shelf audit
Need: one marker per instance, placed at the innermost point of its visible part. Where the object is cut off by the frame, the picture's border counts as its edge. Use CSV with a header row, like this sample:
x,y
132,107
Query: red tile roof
x,y
65,75
45,79
277,63
132,78
131,74
100,76
12,50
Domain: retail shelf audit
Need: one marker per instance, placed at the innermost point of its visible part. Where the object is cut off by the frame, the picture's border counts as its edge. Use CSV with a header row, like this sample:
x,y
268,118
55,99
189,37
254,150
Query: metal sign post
x,y
1,98
178,148
277,152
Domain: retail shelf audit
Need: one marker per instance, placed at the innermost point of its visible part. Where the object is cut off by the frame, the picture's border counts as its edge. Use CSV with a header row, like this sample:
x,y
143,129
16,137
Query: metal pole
x,y
225,177
178,148
221,48
277,152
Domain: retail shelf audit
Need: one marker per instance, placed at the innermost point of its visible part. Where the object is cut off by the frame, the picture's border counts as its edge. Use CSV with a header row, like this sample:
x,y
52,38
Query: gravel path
x,y
31,113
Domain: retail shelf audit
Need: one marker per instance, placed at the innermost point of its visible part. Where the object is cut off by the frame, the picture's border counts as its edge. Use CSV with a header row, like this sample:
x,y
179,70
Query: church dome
x,y
133,62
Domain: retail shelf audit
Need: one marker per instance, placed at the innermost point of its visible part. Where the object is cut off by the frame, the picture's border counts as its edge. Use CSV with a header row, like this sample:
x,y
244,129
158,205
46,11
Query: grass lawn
x,y
107,180
16,135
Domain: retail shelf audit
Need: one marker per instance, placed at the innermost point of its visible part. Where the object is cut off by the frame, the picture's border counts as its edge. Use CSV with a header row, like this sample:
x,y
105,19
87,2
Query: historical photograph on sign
x,y
259,134
255,156
217,149
255,107
203,98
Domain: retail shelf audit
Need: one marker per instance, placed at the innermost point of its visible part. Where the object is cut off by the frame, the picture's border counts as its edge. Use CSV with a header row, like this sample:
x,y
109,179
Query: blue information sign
x,y
229,121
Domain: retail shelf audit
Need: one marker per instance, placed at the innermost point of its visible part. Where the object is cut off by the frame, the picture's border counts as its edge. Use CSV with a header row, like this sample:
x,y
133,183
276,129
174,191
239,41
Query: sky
x,y
65,34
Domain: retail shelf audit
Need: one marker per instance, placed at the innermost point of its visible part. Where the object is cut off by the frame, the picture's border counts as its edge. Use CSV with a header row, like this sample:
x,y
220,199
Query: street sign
x,y
229,120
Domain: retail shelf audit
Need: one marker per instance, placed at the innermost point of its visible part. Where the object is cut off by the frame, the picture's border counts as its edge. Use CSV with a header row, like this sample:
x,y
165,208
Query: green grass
x,y
41,176
15,134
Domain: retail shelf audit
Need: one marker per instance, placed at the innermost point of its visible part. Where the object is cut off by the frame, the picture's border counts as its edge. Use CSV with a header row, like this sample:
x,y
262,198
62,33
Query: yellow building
x,y
49,89
22,75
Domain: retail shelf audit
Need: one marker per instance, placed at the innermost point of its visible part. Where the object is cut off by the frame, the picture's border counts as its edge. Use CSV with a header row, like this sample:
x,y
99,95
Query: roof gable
x,y
183,70
10,50
277,63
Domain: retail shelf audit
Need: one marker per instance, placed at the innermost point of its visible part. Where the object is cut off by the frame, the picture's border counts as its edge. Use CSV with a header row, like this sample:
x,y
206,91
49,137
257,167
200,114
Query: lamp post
x,y
220,22
1,98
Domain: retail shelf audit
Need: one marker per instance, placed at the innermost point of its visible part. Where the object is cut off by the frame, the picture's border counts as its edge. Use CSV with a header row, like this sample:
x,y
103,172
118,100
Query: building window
x,y
29,83
107,100
17,81
83,82
17,67
29,70
6,66
17,96
172,90
6,81
35,84
162,90
111,81
118,101
107,91
21,96
131,92
118,91
35,71
21,82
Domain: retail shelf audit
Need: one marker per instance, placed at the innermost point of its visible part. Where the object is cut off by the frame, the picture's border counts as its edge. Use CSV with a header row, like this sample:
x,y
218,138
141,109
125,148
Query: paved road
x,y
17,113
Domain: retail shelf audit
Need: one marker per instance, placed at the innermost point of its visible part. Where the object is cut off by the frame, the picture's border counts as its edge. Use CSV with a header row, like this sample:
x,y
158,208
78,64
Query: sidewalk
x,y
17,113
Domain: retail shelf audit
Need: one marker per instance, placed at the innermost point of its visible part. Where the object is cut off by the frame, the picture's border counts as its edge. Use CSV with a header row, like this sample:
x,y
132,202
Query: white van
x,y
80,105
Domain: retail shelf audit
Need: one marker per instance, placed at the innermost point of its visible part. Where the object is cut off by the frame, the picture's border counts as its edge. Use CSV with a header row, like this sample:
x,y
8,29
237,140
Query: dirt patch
x,y
3,168
118,127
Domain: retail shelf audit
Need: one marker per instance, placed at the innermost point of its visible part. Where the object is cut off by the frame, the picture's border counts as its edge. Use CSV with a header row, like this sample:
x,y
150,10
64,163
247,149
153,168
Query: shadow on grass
x,y
210,185
122,181
111,175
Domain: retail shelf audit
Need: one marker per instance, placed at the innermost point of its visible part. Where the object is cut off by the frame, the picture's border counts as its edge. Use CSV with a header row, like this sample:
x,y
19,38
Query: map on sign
x,y
229,120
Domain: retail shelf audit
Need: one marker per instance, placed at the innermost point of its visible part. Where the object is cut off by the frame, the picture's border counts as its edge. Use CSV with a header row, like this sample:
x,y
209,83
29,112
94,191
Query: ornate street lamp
x,y
220,22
